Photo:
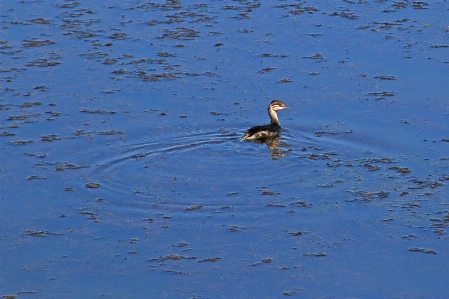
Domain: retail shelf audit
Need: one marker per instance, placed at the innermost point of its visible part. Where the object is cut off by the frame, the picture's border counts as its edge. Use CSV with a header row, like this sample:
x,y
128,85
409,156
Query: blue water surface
x,y
123,172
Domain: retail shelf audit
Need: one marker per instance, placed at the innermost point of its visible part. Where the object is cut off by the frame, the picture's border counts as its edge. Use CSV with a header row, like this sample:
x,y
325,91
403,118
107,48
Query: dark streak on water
x,y
124,173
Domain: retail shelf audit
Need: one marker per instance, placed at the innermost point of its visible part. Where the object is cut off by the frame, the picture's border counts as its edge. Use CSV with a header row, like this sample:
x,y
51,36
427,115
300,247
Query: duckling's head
x,y
277,105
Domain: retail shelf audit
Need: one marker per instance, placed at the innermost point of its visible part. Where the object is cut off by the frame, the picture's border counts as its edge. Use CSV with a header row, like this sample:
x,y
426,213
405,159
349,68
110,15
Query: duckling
x,y
270,131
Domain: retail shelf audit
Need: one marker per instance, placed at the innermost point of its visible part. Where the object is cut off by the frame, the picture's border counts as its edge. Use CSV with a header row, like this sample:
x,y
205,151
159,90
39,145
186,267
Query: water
x,y
124,173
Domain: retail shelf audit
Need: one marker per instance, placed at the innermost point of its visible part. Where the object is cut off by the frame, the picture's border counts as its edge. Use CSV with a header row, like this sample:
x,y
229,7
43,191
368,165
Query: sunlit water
x,y
124,173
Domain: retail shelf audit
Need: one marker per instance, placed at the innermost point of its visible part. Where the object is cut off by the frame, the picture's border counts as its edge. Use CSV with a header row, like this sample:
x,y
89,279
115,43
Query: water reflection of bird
x,y
270,131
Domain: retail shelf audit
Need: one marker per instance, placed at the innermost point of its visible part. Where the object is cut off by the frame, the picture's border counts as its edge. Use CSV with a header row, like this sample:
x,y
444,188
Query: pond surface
x,y
124,173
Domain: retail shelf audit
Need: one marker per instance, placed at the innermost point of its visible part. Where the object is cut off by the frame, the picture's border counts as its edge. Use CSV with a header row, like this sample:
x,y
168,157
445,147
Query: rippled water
x,y
124,173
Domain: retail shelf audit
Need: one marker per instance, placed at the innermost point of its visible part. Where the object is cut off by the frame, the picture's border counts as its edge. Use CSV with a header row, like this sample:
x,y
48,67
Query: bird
x,y
270,131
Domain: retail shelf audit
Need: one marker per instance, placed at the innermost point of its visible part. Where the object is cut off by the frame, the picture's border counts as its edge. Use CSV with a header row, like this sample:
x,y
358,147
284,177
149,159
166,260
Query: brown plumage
x,y
270,131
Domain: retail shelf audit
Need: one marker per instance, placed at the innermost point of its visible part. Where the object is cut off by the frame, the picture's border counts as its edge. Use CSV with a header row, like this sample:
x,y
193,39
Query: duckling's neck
x,y
274,117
